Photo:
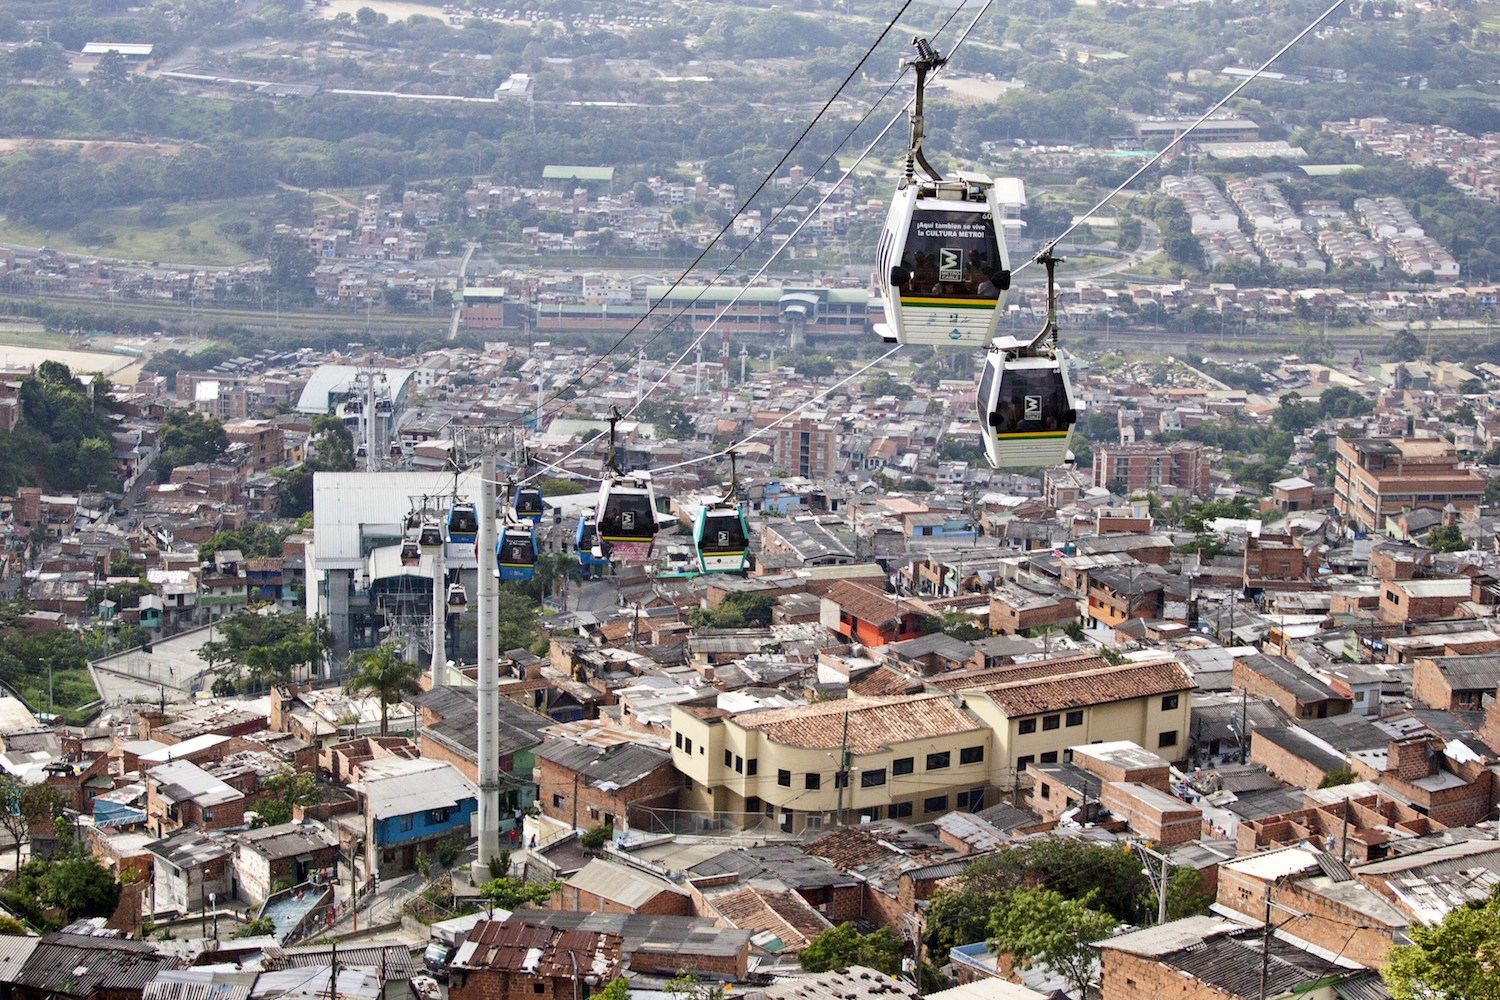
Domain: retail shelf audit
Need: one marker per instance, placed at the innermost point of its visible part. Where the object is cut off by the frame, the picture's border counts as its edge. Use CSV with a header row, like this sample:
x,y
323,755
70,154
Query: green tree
x,y
1186,896
1458,959
618,989
843,946
738,610
383,673
188,437
1405,346
110,73
1447,538
1042,926
1338,776
12,820
959,624
510,894
288,789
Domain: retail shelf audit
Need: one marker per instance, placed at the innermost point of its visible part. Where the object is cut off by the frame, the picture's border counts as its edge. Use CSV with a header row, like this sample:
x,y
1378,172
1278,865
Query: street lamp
x,y
212,898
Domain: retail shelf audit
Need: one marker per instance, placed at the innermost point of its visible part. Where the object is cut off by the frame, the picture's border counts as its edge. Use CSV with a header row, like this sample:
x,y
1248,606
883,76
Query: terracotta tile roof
x,y
966,679
879,852
884,681
873,722
784,914
870,604
1087,687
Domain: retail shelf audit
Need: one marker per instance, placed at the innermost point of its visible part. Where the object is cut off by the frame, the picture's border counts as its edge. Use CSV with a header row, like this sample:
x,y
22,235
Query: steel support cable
x,y
1052,244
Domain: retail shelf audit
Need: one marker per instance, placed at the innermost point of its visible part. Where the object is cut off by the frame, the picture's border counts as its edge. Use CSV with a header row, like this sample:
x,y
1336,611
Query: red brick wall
x,y
1123,976
663,903
659,789
1165,827
1429,686
1284,766
485,985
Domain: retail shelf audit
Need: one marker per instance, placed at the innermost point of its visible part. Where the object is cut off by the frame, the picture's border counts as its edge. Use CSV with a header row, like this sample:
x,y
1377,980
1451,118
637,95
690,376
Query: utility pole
x,y
1161,885
489,664
439,607
841,776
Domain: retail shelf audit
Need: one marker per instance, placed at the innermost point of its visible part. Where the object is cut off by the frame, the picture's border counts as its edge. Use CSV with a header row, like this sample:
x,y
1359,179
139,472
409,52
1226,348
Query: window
x,y
752,804
784,778
971,755
812,781
687,784
870,813
900,810
1050,757
677,738
814,821
1051,722
208,815
739,764
872,778
961,800
752,767
539,988
1075,719
840,779
1028,726
903,766
936,803
770,809
937,761
1168,702
1046,790
557,801
687,744
728,758
407,823
1167,739
1023,762
1359,696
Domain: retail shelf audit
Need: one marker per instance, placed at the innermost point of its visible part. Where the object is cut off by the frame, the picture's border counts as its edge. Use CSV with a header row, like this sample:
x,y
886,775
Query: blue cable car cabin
x,y
463,524
515,552
721,539
529,503
587,537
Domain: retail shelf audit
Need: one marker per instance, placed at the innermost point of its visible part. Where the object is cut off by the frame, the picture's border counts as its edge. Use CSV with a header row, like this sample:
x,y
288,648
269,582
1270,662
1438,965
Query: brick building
x,y
1405,601
606,887
1136,468
585,784
520,960
1375,478
1153,813
1016,607
1455,683
1296,692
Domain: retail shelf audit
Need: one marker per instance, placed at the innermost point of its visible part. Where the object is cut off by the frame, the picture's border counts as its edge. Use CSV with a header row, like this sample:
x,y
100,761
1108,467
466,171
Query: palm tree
x,y
382,672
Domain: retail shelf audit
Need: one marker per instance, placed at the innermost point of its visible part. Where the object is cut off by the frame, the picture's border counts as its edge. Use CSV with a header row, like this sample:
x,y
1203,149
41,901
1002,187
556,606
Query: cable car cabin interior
x,y
515,552
942,263
1026,409
431,535
626,518
411,552
529,503
721,539
458,598
463,524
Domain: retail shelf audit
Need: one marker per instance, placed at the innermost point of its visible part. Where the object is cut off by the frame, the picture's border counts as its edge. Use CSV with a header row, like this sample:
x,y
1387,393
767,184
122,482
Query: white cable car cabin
x,y
625,515
941,264
1026,404
721,539
431,536
411,552
458,598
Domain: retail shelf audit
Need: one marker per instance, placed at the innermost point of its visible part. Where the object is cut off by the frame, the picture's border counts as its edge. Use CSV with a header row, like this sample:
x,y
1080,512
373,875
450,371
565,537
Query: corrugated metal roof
x,y
621,884
78,966
397,786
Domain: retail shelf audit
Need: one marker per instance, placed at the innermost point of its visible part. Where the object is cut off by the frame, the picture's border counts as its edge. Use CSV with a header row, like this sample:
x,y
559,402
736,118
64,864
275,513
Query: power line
x,y
769,176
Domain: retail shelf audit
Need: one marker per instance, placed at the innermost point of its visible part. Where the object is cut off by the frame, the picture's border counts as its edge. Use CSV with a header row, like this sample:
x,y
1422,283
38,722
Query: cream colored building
x,y
1035,714
910,758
